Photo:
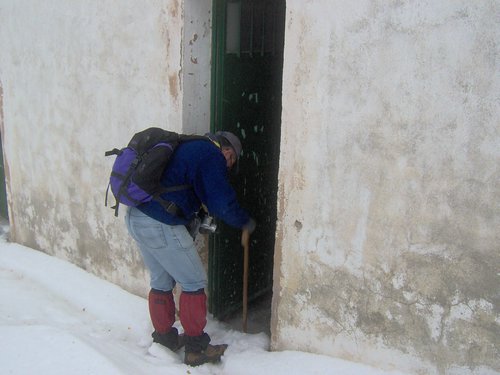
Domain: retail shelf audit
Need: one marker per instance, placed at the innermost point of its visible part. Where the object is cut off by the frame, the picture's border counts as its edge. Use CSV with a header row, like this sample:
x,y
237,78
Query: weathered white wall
x,y
196,65
80,78
387,245
388,236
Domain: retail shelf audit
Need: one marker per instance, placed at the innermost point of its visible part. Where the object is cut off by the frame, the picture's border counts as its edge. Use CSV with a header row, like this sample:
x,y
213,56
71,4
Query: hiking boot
x,y
212,354
171,339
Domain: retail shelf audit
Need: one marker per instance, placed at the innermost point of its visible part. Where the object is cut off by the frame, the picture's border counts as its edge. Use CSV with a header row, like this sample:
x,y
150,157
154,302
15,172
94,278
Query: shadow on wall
x,y
4,215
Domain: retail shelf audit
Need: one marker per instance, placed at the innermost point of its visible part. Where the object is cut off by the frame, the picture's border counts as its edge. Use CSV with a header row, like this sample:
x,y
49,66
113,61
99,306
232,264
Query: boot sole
x,y
206,359
202,362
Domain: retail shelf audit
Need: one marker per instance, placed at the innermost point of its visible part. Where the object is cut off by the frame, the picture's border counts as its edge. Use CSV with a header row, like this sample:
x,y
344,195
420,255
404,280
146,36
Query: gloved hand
x,y
250,226
247,229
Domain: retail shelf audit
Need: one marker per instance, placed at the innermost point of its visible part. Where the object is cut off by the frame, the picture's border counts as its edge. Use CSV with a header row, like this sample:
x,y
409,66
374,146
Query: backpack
x,y
138,168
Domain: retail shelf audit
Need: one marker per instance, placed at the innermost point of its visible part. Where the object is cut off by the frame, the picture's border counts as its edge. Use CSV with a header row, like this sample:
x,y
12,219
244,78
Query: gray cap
x,y
233,140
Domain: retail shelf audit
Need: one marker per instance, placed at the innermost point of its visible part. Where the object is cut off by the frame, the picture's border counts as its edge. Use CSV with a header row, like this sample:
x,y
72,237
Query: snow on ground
x,y
56,318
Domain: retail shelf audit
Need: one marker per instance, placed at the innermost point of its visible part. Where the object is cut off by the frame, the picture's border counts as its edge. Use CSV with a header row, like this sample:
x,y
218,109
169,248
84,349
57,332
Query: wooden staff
x,y
245,239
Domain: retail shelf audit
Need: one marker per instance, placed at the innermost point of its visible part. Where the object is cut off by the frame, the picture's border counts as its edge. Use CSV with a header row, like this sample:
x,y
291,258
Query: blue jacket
x,y
202,165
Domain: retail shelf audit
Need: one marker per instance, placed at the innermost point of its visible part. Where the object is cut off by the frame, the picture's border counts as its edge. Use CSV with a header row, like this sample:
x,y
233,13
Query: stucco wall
x,y
196,65
79,78
388,236
387,246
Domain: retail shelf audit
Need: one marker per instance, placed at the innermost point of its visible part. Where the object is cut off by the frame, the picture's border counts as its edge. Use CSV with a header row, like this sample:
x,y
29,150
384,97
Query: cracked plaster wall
x,y
388,237
196,65
79,79
387,248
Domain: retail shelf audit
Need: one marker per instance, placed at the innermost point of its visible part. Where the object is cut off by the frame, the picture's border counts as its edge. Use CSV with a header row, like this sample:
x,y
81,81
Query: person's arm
x,y
214,190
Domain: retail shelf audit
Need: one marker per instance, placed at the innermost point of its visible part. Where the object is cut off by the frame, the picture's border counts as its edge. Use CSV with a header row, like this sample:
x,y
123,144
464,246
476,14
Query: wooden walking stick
x,y
245,239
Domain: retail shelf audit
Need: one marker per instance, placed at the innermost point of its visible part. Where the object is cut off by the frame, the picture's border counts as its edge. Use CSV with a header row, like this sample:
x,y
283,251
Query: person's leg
x,y
160,298
183,262
173,249
162,310
148,234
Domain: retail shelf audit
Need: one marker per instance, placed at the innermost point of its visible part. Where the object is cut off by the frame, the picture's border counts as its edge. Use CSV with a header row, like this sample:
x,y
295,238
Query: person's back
x,y
201,165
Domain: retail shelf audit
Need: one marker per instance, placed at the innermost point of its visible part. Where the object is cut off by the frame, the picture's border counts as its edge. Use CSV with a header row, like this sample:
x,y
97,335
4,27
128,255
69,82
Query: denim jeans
x,y
168,252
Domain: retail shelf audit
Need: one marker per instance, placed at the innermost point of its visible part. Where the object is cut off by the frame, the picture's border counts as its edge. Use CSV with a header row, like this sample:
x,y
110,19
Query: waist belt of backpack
x,y
170,207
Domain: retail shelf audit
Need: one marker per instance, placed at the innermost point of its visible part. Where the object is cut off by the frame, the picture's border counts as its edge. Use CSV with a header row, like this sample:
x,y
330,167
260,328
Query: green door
x,y
246,100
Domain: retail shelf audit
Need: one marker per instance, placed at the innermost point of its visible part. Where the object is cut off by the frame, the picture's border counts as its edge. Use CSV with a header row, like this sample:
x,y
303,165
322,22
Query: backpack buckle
x,y
135,162
171,208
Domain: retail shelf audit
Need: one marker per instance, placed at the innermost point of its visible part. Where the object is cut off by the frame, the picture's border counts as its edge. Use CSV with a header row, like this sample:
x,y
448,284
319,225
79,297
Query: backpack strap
x,y
170,206
115,207
170,189
106,198
114,151
214,139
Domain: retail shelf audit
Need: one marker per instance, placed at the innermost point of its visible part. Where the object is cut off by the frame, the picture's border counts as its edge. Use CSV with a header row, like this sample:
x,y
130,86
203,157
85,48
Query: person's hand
x,y
248,228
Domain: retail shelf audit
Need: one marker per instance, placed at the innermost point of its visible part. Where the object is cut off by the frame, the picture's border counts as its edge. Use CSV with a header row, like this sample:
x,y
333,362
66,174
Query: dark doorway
x,y
247,60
